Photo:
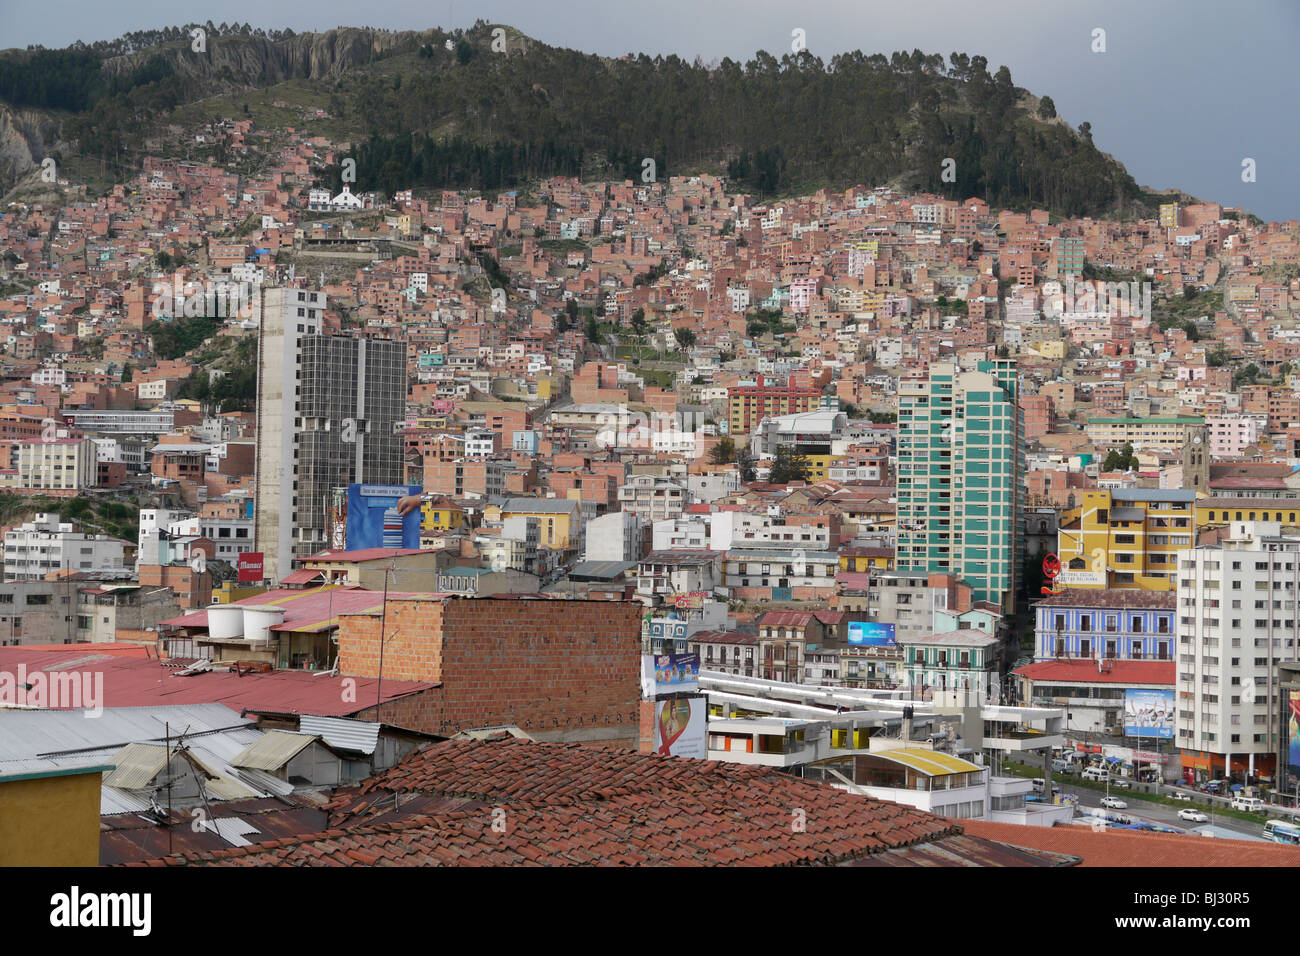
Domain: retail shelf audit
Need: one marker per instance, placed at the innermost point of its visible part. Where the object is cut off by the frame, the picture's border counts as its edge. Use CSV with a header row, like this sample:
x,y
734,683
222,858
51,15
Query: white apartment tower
x,y
1237,618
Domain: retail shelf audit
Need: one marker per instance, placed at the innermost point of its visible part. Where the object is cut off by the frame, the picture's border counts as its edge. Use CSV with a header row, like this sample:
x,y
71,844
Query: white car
x,y
1122,784
1195,816
1180,795
1113,803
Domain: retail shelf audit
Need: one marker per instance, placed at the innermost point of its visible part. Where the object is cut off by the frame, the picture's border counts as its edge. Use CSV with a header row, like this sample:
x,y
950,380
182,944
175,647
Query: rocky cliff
x,y
241,61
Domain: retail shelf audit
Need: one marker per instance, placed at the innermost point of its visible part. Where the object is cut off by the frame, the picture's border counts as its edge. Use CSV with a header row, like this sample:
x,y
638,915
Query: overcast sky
x,y
1185,90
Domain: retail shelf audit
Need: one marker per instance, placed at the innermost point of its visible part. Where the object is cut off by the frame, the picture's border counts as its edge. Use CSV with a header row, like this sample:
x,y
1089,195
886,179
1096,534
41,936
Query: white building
x,y
613,537
1237,618
44,545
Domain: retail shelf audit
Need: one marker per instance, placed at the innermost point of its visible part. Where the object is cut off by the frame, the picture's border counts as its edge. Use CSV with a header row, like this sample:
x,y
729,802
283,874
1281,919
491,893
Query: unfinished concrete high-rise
x,y
328,410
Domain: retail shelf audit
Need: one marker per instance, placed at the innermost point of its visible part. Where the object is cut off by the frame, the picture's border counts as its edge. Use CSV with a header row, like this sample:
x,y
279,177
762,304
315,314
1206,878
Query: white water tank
x,y
258,621
225,621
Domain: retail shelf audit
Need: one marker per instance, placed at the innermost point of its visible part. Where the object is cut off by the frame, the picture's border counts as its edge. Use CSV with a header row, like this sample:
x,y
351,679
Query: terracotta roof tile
x,y
567,804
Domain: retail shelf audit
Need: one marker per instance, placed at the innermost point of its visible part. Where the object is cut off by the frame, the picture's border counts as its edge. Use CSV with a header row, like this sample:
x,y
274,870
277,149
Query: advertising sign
x,y
681,727
373,521
338,520
871,634
1293,727
1082,579
250,567
672,673
1149,713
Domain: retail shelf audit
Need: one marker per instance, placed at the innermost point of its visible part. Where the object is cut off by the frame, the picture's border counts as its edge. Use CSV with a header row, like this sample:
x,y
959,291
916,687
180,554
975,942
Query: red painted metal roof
x,y
1129,848
131,682
365,554
310,610
302,577
1113,672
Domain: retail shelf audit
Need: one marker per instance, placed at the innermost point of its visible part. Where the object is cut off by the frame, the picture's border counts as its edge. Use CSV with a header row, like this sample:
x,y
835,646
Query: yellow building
x,y
1053,349
1126,538
866,559
1221,511
442,514
50,817
557,519
819,467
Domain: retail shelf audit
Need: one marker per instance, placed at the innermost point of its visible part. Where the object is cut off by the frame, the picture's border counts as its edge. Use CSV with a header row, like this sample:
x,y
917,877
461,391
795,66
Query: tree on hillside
x,y
787,466
723,452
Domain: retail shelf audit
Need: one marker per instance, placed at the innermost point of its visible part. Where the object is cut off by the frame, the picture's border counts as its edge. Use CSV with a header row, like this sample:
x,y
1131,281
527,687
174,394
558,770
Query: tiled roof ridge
x,y
800,854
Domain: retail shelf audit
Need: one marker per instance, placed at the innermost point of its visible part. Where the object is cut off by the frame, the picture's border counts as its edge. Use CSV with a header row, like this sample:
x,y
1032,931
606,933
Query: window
x,y
1137,625
1085,622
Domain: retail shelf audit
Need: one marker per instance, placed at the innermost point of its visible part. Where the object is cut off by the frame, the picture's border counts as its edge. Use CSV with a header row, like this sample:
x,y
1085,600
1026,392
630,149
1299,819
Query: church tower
x,y
1196,459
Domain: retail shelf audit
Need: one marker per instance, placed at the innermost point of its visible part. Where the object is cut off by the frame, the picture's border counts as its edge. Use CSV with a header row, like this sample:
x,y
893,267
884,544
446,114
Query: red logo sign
x,y
1051,568
250,567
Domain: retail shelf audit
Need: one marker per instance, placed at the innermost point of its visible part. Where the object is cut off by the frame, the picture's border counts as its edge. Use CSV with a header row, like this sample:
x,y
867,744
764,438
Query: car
x,y
1122,784
1113,803
1097,774
1181,795
1195,816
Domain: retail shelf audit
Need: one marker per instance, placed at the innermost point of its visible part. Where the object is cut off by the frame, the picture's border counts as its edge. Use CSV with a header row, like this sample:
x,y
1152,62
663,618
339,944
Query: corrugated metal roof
x,y
342,733
273,750
930,762
136,766
115,800
59,733
601,570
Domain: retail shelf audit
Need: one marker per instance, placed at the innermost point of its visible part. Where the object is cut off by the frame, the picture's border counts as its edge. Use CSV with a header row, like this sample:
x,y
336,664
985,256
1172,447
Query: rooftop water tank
x,y
226,621
258,621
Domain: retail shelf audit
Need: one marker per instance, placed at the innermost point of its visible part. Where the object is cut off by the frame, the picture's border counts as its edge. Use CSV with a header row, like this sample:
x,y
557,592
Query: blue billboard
x,y
373,521
871,634
1149,713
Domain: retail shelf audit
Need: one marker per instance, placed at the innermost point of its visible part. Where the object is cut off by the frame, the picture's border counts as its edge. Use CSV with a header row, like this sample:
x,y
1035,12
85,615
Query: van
x,y
1249,804
1040,785
1100,774
1062,766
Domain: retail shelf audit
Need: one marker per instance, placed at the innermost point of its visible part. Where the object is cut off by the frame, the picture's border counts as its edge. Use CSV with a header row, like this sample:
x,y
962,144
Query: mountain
x,y
488,107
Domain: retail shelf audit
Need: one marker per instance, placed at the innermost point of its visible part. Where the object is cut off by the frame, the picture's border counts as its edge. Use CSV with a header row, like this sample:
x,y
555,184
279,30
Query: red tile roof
x,y
785,619
1112,672
131,682
566,804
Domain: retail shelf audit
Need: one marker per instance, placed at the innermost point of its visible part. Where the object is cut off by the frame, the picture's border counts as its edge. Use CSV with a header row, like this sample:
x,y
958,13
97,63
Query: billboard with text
x,y
1149,713
871,634
373,521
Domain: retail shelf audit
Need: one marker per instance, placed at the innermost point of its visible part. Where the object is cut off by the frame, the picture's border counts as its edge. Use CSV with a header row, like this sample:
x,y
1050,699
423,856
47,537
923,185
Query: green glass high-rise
x,y
960,462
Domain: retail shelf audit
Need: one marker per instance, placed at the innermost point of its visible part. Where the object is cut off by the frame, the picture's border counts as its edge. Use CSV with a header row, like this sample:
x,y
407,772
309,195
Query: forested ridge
x,y
447,110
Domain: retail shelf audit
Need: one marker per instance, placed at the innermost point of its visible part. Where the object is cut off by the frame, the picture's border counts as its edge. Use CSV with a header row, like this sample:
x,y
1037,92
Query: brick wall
x,y
560,670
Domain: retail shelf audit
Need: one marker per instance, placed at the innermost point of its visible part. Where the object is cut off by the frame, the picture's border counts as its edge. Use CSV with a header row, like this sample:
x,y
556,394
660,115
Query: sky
x,y
1184,92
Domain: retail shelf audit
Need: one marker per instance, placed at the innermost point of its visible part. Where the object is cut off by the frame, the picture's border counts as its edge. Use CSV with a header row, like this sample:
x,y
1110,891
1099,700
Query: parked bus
x,y
1280,831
